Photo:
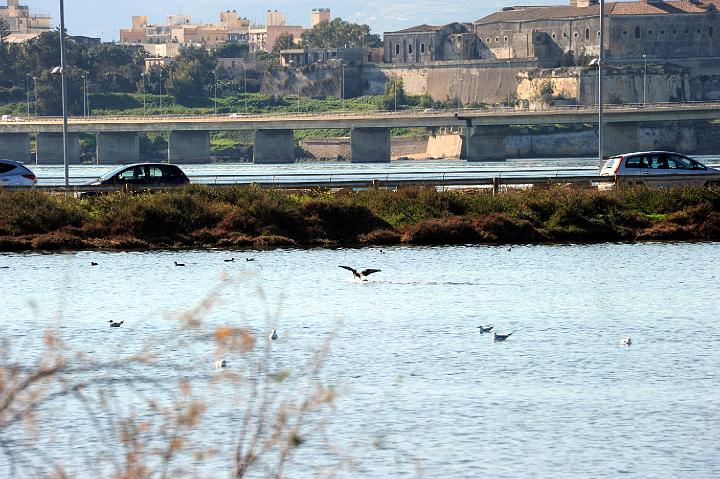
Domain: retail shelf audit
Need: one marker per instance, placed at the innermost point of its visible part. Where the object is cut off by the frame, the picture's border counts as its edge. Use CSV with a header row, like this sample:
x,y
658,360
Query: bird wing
x,y
349,269
368,272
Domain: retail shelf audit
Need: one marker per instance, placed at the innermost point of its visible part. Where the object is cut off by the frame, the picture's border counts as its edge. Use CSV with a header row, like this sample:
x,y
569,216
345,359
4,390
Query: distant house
x,y
349,56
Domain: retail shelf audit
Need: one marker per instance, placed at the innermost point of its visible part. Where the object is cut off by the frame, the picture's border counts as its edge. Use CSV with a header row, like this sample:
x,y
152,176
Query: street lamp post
x,y
215,100
160,87
84,77
508,88
343,86
63,74
244,86
601,96
143,75
645,80
35,95
27,91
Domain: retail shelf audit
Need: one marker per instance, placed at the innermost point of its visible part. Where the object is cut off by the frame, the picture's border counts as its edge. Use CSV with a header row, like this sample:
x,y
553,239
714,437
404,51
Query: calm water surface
x,y
420,392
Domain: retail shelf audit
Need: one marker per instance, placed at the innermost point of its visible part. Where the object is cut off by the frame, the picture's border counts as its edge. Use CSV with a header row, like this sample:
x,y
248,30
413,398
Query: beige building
x,y
20,20
275,18
319,15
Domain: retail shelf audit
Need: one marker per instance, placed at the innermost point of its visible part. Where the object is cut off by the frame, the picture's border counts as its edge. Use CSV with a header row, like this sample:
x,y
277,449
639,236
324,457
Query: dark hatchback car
x,y
144,174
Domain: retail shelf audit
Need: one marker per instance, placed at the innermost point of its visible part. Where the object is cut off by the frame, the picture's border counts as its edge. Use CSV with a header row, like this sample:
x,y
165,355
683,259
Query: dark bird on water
x,y
499,337
485,329
231,260
93,263
4,267
179,264
114,324
249,259
362,275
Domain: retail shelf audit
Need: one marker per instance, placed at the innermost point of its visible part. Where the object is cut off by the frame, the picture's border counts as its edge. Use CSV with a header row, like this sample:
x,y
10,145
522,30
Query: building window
x,y
662,32
422,48
564,34
553,36
576,34
410,48
397,49
505,39
488,40
650,32
637,32
497,39
625,32
587,34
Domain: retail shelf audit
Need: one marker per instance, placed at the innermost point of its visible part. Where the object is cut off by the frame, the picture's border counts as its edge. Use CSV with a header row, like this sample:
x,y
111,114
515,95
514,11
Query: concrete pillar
x,y
274,146
49,147
15,146
485,143
370,145
118,148
189,147
621,138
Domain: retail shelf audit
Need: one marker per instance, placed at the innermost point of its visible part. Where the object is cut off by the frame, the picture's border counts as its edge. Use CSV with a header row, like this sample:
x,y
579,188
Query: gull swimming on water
x,y
485,329
114,324
231,260
499,337
179,264
273,336
625,341
362,275
221,364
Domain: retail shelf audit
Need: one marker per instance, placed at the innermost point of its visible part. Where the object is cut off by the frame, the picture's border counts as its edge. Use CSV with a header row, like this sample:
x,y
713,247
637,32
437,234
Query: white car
x,y
649,167
13,173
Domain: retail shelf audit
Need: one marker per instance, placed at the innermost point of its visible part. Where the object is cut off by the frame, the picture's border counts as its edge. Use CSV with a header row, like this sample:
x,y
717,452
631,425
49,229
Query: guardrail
x,y
365,113
497,183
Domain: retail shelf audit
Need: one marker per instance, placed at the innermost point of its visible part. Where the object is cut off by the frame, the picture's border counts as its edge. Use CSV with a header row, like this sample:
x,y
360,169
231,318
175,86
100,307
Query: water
x,y
223,172
420,393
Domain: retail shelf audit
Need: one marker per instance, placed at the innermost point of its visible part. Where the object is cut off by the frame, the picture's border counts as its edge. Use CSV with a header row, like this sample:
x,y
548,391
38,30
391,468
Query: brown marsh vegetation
x,y
204,216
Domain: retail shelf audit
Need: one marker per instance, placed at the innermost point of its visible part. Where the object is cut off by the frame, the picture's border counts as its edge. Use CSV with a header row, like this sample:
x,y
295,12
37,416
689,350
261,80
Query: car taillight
x,y
617,164
30,177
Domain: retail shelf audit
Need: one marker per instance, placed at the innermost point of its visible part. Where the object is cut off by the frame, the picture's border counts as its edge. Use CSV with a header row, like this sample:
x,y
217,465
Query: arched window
x,y
587,34
637,32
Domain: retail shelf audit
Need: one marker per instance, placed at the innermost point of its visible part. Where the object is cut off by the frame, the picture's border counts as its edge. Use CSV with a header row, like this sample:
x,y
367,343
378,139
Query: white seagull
x,y
625,341
362,275
221,364
485,329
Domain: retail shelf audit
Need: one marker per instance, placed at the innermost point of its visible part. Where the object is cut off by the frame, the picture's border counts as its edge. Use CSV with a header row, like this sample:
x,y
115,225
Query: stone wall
x,y
339,148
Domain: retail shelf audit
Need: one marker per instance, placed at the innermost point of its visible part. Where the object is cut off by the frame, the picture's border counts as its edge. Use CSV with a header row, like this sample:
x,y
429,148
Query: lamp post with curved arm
x,y
63,81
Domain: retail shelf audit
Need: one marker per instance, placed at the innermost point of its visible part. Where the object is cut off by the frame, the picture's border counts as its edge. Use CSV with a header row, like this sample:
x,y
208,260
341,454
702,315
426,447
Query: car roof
x,y
653,152
132,165
11,162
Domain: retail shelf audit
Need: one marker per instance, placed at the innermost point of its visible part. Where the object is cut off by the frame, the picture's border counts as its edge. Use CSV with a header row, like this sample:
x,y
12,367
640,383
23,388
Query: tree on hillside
x,y
191,73
49,101
284,41
4,30
338,34
113,68
232,50
394,93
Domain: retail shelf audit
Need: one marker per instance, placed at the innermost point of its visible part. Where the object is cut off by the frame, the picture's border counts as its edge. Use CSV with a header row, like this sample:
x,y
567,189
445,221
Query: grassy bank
x,y
200,217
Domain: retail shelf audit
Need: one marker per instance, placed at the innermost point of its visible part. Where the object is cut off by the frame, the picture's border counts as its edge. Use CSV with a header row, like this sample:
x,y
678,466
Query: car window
x,y
6,168
172,171
679,163
635,162
610,163
155,172
656,162
136,173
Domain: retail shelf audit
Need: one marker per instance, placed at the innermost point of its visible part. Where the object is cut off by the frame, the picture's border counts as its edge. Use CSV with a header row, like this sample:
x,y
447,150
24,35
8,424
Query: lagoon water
x,y
420,393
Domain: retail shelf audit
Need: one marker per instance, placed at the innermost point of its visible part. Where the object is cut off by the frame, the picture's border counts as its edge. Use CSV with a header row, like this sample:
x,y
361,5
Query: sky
x,y
104,18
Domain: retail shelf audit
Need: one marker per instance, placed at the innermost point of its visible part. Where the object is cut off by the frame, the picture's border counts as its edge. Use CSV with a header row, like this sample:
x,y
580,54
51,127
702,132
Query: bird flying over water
x,y
114,324
362,275
485,329
499,337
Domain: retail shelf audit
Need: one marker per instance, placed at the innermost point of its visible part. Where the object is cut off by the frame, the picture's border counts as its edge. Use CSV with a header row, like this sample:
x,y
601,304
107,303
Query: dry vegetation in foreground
x,y
130,421
204,216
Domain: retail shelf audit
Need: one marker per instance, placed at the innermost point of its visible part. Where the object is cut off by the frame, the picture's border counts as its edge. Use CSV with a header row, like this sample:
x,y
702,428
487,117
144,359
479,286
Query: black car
x,y
144,174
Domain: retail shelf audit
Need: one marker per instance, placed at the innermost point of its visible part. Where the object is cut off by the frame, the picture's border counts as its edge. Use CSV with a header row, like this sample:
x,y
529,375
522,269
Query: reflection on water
x,y
420,391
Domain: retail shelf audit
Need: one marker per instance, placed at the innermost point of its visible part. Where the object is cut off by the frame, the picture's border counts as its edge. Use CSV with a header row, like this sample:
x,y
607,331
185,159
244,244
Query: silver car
x,y
659,168
13,173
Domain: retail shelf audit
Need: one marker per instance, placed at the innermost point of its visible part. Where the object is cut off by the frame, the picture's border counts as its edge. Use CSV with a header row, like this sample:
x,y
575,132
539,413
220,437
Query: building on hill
x,y
431,43
664,30
21,21
319,15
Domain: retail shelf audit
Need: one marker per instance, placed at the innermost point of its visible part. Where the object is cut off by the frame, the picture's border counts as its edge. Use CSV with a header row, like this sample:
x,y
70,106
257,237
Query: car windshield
x,y
112,173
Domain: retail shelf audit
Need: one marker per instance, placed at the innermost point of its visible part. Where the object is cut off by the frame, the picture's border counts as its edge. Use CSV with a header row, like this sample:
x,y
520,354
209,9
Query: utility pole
x,y
645,80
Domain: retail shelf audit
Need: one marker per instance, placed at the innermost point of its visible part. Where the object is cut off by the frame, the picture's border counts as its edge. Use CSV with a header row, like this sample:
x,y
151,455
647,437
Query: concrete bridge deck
x,y
484,135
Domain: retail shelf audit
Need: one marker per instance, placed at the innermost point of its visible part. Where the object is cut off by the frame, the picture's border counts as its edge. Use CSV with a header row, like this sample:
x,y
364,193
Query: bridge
x,y
484,131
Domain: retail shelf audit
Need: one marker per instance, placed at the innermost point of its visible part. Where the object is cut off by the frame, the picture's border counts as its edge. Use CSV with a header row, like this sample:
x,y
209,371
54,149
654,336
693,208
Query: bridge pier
x,y
15,146
370,145
484,143
189,146
274,146
118,148
49,147
621,138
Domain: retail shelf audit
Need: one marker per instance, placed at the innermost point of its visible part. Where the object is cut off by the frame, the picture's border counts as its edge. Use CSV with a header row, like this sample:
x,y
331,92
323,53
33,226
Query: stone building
x,y
431,43
675,30
20,20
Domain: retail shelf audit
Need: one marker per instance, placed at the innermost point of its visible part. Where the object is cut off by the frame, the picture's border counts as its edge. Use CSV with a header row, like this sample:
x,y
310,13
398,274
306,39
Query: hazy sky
x,y
105,17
